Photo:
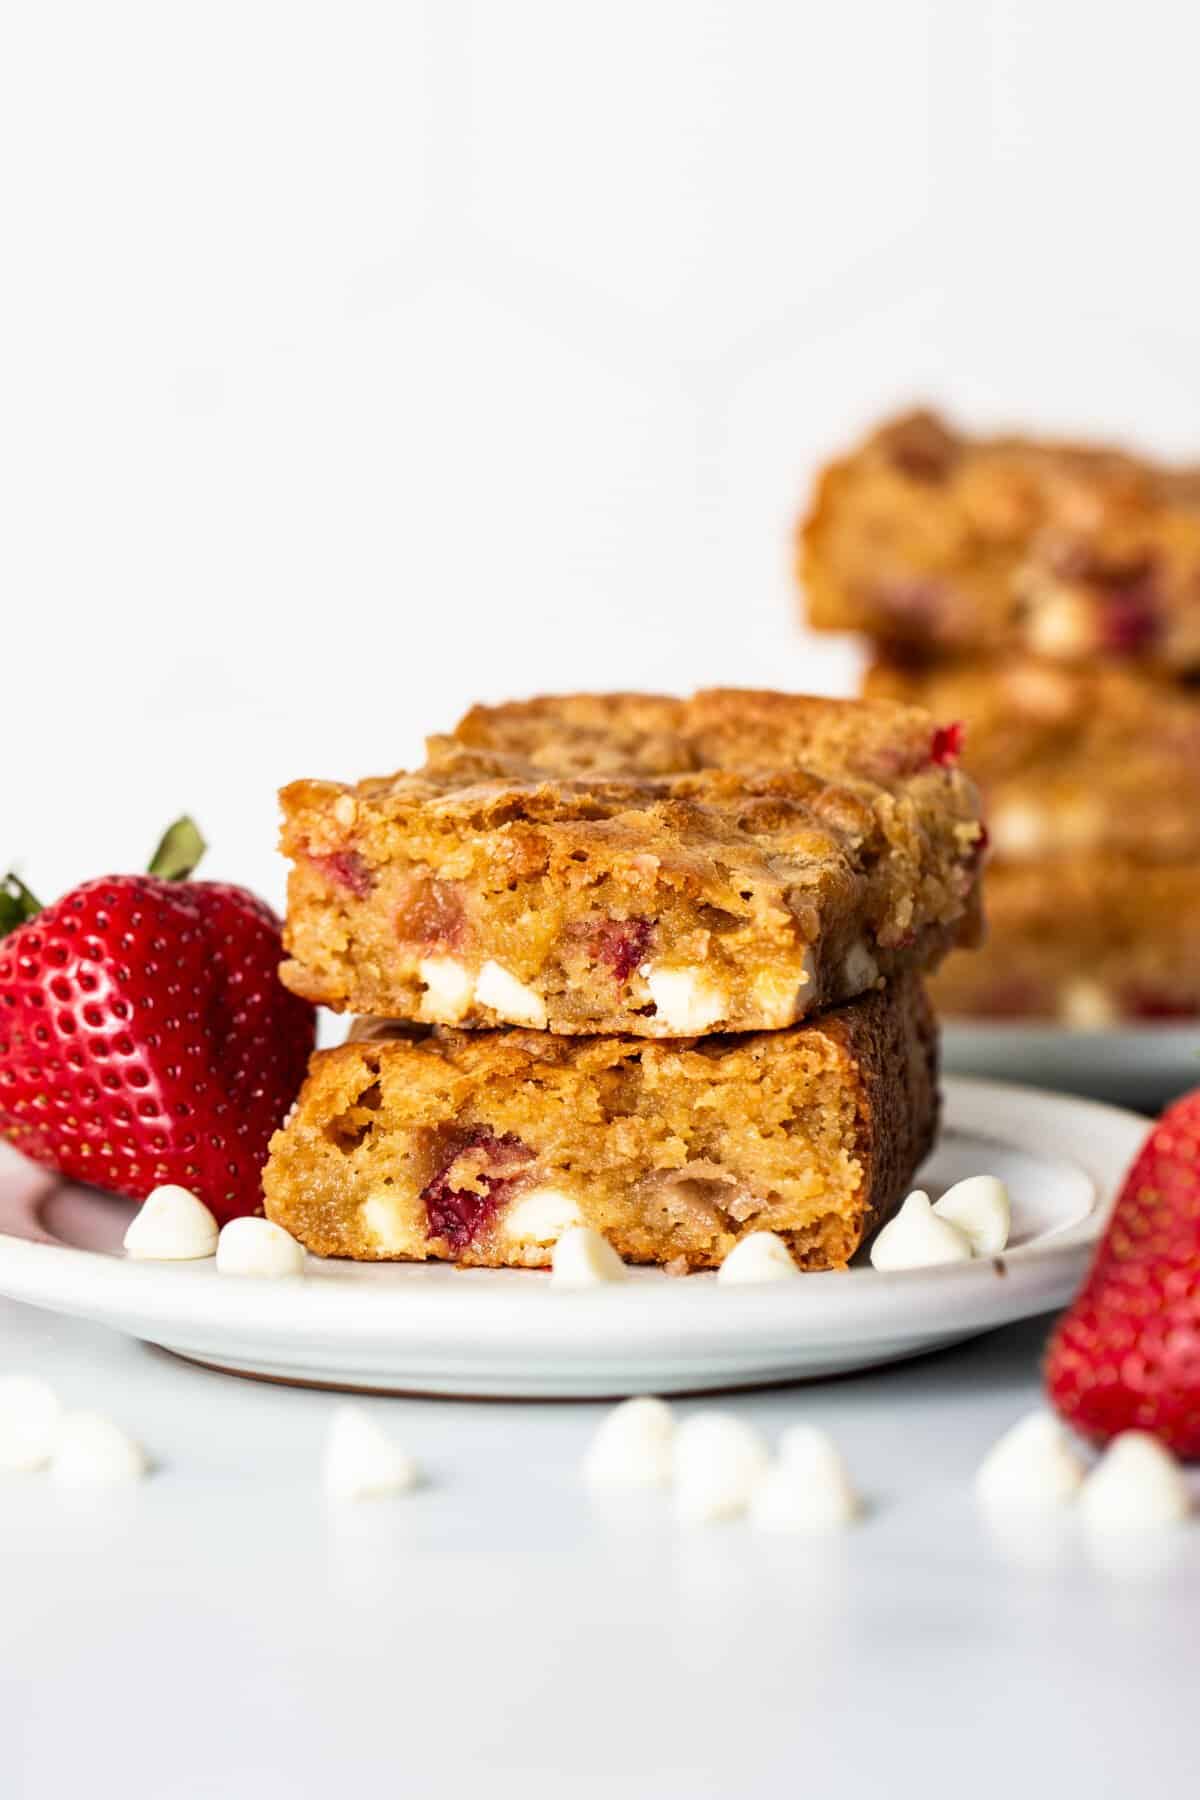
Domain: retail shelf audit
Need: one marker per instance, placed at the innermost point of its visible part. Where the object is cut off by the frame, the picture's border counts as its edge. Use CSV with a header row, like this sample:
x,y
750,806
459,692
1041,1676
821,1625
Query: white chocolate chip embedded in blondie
x,y
686,1001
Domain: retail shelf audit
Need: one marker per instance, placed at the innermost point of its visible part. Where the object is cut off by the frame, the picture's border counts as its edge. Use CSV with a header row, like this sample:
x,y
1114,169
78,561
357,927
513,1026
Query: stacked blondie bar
x,y
643,964
1048,596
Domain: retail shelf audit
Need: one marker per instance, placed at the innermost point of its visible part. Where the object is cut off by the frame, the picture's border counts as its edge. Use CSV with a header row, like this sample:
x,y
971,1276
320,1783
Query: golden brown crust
x,y
674,1150
1068,760
781,852
1090,940
929,539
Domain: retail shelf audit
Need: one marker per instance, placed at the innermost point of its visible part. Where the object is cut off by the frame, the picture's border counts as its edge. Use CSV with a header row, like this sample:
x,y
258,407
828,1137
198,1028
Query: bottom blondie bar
x,y
1091,942
483,1147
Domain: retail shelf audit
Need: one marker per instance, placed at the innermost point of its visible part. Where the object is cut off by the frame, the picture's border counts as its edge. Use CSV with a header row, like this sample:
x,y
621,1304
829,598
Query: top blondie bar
x,y
935,542
633,863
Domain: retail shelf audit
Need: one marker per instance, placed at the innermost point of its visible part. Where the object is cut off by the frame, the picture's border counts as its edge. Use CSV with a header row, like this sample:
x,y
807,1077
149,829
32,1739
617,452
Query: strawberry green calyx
x,y
179,852
17,904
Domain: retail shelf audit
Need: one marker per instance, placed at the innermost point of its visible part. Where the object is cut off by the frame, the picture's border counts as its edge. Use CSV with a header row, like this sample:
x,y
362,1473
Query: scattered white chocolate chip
x,y
810,1487
762,1256
917,1239
258,1247
1033,1467
90,1451
1137,1485
499,989
582,1258
808,1450
633,1446
719,1461
345,811
362,1462
1086,1006
172,1226
980,1207
540,1216
449,989
686,1001
29,1416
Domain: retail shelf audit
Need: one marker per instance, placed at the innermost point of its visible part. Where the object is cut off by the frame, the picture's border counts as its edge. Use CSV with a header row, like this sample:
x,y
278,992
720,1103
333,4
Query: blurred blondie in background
x,y
1047,596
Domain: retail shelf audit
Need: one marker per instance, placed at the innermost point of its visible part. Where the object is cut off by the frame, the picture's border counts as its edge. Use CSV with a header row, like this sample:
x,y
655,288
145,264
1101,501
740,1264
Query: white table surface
x,y
219,1630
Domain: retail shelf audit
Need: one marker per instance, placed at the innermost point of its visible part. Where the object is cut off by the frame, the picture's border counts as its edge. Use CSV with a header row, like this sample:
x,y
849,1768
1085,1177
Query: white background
x,y
358,360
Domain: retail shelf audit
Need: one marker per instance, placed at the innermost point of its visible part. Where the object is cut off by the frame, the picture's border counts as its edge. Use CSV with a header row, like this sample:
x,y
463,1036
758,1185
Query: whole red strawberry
x,y
1127,1353
144,1033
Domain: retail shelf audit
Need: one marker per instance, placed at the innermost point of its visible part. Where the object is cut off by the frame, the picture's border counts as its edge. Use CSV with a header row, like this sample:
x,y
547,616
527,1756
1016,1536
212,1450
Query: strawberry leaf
x,y
179,852
17,904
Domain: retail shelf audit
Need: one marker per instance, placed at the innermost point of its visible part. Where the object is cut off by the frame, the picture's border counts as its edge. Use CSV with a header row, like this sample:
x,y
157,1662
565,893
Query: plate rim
x,y
1163,1032
172,1302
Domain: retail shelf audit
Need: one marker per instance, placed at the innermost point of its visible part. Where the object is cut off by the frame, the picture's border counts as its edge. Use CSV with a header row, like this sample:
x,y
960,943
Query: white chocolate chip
x,y
809,1490
1019,829
345,810
776,1000
917,1239
90,1451
509,997
449,989
172,1226
362,1462
633,1446
1032,1468
1060,624
388,1219
29,1416
719,1461
258,1247
809,1451
783,994
582,1258
980,1207
1086,1006
762,1256
1136,1486
860,970
539,1217
686,1001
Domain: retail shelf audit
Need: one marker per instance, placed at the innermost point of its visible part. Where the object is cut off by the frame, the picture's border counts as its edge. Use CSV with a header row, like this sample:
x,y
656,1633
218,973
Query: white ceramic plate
x,y
432,1329
1133,1065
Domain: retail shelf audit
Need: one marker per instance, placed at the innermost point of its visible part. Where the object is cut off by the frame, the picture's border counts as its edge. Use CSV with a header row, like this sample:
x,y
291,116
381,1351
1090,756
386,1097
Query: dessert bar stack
x,y
643,964
1048,597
